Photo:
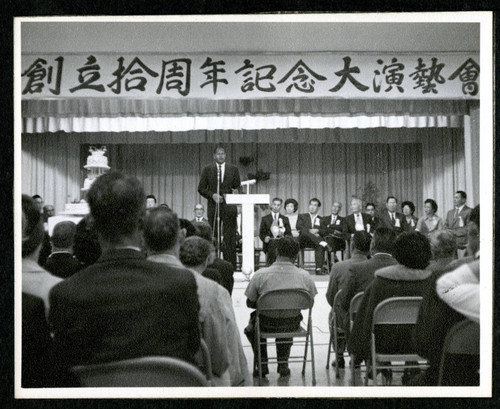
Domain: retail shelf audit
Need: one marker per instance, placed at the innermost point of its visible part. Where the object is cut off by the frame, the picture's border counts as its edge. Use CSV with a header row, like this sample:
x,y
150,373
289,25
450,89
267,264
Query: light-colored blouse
x,y
292,218
428,224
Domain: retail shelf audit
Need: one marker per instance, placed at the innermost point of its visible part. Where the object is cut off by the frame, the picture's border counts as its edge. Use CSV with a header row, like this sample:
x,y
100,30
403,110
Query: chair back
x,y
150,371
276,300
354,306
397,311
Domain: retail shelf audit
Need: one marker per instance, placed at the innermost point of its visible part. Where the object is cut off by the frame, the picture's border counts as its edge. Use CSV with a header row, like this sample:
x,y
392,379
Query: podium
x,y
247,203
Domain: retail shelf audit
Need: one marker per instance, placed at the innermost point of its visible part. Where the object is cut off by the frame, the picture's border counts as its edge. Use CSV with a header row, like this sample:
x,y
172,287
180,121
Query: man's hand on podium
x,y
217,198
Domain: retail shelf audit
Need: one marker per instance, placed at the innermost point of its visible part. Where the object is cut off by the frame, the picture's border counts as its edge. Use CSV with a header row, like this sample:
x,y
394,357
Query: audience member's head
x,y
459,198
443,244
187,228
195,252
291,206
117,205
48,211
408,208
370,209
412,250
63,236
314,205
166,206
430,207
361,241
32,226
161,230
150,201
356,205
287,247
39,202
203,230
86,247
383,240
473,231
391,203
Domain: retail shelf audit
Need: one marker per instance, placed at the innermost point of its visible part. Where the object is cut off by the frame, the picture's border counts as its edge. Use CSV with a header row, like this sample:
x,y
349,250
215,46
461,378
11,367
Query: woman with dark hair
x,y
291,207
408,209
36,281
409,277
430,222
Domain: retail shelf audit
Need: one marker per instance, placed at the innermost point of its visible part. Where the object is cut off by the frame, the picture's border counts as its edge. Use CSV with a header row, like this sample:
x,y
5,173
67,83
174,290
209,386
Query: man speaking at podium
x,y
216,181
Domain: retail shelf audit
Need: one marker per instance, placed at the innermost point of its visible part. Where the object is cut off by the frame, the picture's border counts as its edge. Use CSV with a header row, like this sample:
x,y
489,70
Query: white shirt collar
x,y
460,208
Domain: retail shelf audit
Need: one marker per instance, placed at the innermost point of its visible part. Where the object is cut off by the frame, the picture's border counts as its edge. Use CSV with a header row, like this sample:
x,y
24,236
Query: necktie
x,y
392,219
456,213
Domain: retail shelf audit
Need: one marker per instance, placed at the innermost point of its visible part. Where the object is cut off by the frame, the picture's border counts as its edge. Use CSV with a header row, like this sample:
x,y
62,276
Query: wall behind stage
x,y
429,164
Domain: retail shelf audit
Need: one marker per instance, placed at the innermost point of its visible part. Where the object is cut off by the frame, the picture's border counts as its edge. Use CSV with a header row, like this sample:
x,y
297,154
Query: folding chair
x,y
353,309
285,300
336,335
395,318
461,339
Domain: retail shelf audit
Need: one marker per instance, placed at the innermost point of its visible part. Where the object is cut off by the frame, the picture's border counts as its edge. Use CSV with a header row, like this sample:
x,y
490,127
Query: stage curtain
x,y
51,166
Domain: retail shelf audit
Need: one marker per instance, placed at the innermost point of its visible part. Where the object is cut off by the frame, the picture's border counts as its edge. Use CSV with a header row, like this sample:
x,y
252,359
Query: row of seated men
x,y
329,233
411,264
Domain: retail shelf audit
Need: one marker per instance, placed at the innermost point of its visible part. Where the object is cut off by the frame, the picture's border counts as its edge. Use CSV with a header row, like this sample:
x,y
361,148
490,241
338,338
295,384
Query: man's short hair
x,y
461,193
412,250
362,241
219,147
194,251
292,201
203,230
391,197
151,197
433,204
117,205
277,199
188,226
383,240
474,216
370,204
314,199
86,247
36,197
409,204
443,244
63,234
161,229
287,247
32,226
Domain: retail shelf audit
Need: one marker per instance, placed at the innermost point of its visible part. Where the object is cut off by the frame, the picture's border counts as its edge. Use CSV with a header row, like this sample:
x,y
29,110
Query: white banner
x,y
234,76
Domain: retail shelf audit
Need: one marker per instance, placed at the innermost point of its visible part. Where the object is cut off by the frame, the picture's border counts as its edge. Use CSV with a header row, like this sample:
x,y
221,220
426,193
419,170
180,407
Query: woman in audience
x,y
36,281
291,207
409,210
407,278
430,222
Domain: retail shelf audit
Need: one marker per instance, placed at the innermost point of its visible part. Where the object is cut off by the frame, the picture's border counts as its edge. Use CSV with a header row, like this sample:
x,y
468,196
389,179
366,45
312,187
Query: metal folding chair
x,y
285,300
353,309
461,339
397,315
336,335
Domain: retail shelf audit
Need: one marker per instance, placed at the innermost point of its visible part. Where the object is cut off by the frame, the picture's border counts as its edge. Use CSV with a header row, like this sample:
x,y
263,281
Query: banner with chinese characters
x,y
236,76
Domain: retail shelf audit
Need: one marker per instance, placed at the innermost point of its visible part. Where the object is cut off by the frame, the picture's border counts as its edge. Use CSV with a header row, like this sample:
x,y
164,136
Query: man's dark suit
x,y
361,275
228,213
62,264
265,231
334,233
122,307
385,221
351,223
307,239
452,223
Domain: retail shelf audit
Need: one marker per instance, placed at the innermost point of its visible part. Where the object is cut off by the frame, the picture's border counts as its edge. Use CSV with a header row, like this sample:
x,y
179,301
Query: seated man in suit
x,y
392,219
308,225
199,214
61,261
456,221
123,306
273,227
333,229
374,221
357,221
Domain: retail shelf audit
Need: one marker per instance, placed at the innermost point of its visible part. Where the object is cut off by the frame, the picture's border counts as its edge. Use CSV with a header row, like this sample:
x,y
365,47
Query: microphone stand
x,y
217,214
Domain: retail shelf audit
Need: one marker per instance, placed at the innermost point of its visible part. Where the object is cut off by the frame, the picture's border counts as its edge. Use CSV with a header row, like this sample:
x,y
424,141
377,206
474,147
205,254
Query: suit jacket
x,y
361,275
122,307
338,229
204,220
62,264
385,221
265,228
304,222
351,223
453,224
208,181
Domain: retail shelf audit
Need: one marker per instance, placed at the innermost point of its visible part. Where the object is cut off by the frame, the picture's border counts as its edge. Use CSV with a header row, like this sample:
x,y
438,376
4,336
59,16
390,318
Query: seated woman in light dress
x,y
291,207
409,210
430,222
